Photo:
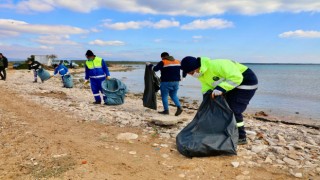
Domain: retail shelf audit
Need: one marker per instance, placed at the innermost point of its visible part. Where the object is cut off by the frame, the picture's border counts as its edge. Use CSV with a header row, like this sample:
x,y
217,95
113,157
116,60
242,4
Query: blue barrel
x,y
43,74
68,81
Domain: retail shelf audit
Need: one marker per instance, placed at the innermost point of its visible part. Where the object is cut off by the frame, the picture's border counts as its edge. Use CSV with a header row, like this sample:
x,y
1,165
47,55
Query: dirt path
x,y
37,142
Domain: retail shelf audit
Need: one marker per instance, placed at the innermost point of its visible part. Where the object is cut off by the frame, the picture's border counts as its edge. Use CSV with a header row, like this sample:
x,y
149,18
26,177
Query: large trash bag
x,y
114,91
68,81
212,132
43,74
151,87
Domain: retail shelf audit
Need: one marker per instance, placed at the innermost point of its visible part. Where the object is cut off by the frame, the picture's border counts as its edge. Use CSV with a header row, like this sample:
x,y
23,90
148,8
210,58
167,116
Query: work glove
x,y
86,82
5,68
216,93
108,77
148,63
183,79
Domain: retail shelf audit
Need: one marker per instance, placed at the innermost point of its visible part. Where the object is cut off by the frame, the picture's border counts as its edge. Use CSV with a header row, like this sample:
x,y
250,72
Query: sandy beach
x,y
52,132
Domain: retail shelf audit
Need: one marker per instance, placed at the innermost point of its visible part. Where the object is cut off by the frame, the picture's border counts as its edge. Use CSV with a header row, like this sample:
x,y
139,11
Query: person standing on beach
x,y
224,77
169,85
3,67
96,70
35,66
61,69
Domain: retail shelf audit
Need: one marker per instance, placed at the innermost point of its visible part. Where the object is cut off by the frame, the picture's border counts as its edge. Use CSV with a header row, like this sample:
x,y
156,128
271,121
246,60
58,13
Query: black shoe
x,y
242,141
166,112
34,81
178,112
97,102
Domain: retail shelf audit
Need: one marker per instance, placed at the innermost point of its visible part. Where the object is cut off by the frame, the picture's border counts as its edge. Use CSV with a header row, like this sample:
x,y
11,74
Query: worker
x,y
235,81
60,69
96,70
35,66
169,85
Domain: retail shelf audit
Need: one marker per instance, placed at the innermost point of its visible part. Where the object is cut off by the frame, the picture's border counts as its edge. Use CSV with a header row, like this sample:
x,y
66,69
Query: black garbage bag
x,y
151,87
212,132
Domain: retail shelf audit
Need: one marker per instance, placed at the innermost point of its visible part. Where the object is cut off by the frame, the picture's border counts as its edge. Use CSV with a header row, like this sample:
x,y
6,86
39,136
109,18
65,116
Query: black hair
x,y
164,54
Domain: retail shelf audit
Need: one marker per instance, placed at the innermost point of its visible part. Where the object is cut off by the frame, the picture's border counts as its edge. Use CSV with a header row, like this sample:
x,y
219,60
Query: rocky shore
x,y
291,150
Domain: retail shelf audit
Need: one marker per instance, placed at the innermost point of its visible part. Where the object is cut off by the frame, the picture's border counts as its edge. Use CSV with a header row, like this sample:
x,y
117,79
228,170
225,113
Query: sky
x,y
247,31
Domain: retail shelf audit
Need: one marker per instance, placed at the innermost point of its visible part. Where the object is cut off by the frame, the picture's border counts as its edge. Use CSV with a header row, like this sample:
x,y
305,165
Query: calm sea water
x,y
287,90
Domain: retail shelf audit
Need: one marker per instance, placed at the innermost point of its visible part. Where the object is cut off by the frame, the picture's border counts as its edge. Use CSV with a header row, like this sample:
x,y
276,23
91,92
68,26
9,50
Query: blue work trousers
x,y
169,89
96,88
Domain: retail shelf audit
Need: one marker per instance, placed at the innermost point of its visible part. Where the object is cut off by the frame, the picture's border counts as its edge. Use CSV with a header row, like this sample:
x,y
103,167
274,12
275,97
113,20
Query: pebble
x,y
127,136
290,161
235,164
132,152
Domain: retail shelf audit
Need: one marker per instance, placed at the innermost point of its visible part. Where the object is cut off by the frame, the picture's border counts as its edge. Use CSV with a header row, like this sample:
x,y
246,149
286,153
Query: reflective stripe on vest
x,y
248,87
232,83
240,124
96,63
168,63
216,83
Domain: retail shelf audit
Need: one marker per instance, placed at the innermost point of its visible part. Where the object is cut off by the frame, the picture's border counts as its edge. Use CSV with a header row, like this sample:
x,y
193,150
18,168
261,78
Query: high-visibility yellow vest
x,y
95,63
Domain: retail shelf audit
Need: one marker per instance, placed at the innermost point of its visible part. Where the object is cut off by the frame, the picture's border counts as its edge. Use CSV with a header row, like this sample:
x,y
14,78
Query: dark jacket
x,y
170,69
34,65
3,62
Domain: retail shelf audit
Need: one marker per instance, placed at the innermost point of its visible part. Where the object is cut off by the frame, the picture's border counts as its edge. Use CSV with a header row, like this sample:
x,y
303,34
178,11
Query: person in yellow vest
x,y
96,70
225,77
169,85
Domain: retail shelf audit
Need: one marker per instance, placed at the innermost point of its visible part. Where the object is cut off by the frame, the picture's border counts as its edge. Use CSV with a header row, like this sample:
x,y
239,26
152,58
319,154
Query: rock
x,y
298,175
278,150
245,172
281,139
165,135
127,136
311,141
155,145
268,160
251,133
280,161
235,164
165,156
290,161
133,152
164,145
59,155
166,120
257,149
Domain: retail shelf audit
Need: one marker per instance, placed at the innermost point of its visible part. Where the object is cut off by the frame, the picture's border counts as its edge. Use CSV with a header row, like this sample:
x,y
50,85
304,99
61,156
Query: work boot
x,y
97,102
165,112
179,111
242,141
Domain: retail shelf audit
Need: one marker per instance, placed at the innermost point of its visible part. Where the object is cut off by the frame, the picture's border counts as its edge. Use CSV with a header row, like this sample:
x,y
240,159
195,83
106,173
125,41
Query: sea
x,y
285,90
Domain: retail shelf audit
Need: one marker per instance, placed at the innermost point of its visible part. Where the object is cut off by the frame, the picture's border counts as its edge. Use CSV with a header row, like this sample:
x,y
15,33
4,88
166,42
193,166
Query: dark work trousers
x,y
3,73
238,99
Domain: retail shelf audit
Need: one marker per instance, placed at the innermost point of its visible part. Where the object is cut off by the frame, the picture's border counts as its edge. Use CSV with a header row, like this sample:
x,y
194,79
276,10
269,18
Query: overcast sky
x,y
259,31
